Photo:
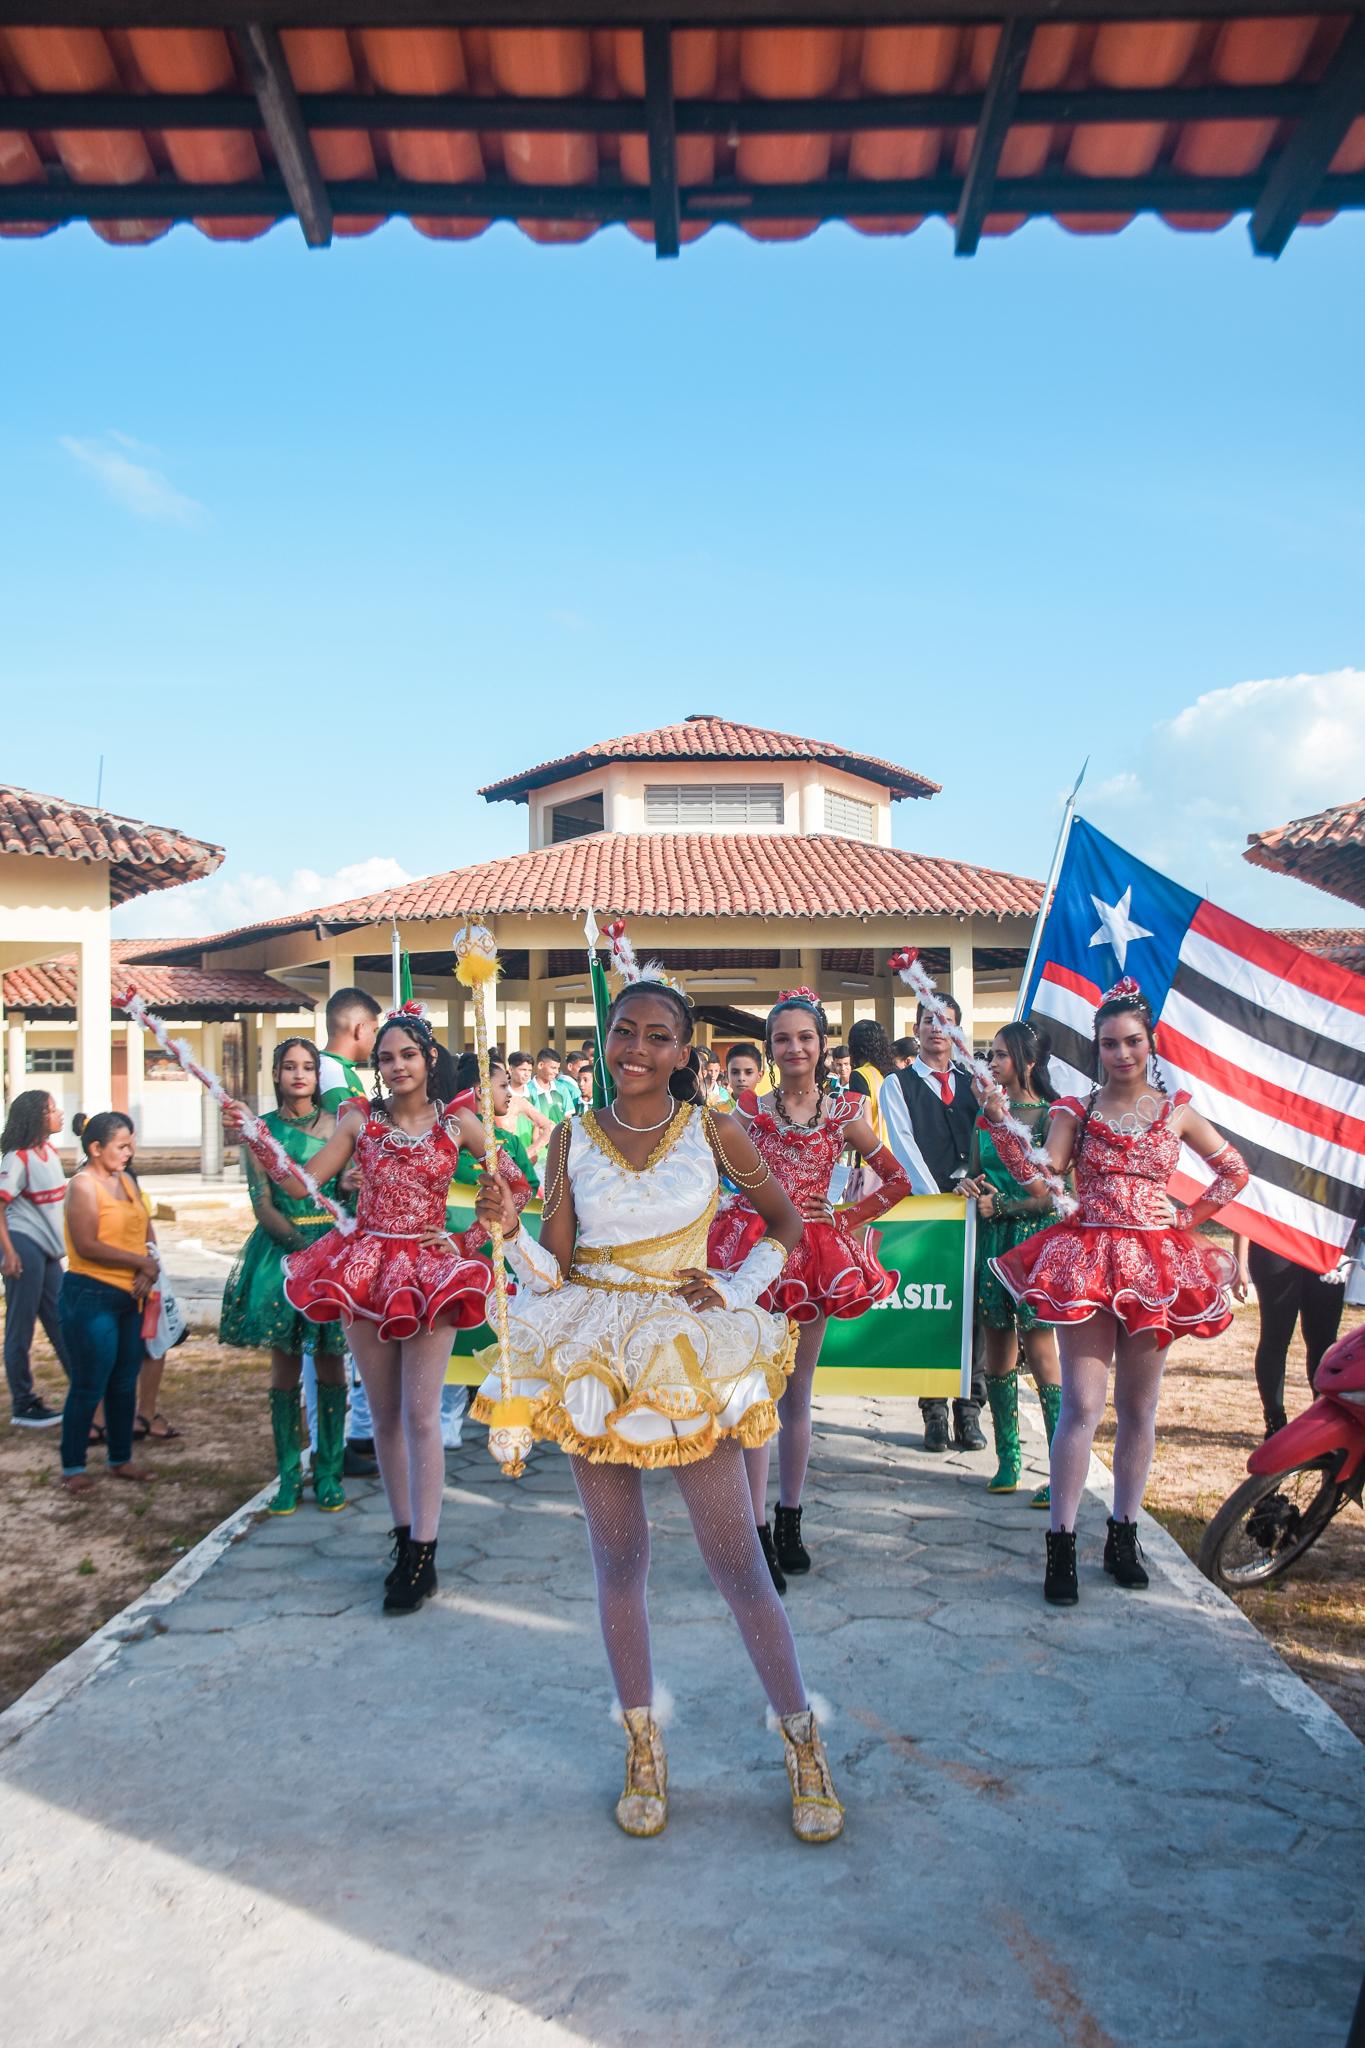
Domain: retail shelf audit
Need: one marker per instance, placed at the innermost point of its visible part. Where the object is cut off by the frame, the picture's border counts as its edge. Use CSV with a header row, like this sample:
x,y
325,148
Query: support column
x,y
341,972
561,1026
457,1028
885,990
267,1038
136,1040
93,1028
16,1046
540,1007
963,978
210,1121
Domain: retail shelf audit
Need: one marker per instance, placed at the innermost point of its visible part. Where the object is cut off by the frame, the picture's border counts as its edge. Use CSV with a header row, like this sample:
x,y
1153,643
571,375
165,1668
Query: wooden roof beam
x,y
1296,174
661,130
997,113
268,70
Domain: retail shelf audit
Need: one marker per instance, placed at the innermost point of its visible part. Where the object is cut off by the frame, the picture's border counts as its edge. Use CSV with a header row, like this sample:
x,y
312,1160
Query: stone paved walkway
x,y
278,1818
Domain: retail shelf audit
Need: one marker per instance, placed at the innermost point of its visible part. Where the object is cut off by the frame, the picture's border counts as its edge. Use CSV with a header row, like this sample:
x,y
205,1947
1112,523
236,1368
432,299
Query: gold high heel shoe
x,y
642,1808
817,1815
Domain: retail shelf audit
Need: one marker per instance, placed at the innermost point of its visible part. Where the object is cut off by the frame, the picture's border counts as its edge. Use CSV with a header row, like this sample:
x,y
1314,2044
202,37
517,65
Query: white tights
x,y
716,1495
403,1386
793,1439
1087,1350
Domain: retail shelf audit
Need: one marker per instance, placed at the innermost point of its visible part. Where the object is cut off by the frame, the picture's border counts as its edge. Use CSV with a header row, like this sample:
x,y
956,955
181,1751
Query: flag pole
x,y
396,959
1068,816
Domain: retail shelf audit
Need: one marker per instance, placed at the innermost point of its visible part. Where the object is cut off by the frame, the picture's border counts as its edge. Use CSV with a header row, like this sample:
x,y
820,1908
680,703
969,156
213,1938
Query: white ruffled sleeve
x,y
742,1288
536,1269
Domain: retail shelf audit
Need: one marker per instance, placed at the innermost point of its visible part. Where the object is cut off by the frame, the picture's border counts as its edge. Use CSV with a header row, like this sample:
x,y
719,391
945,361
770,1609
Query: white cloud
x,y
237,896
1235,761
146,492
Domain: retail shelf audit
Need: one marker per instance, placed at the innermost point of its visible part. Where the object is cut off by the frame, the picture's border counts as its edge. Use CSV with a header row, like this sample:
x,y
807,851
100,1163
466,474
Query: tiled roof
x,y
775,122
1327,850
702,737
180,992
141,858
1345,945
687,874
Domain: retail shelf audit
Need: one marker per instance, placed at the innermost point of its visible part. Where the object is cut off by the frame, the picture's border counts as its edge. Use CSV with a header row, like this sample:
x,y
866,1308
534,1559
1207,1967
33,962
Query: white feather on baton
x,y
908,966
257,1134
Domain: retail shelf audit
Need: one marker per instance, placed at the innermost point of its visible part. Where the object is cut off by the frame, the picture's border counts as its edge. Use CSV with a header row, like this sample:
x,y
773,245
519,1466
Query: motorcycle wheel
x,y
1267,1525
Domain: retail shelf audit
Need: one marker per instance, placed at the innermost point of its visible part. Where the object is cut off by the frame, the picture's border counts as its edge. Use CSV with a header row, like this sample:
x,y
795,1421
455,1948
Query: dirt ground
x,y
67,1565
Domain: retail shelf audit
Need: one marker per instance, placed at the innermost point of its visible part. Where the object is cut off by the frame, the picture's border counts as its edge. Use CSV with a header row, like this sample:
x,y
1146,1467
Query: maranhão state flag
x,y
1269,1040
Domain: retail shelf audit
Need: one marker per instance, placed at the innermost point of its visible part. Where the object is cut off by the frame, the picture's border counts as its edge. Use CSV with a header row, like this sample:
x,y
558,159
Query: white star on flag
x,y
1116,926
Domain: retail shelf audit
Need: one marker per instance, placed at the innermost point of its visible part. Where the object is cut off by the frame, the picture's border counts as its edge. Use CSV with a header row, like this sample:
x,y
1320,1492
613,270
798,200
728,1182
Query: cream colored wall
x,y
623,783
51,906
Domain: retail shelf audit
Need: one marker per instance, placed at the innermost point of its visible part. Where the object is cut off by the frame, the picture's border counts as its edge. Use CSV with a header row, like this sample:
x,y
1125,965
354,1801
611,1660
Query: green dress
x,y
255,1313
998,1234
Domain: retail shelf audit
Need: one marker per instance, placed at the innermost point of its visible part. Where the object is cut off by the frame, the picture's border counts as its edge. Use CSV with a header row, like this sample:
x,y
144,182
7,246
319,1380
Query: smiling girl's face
x,y
644,1045
796,1044
402,1065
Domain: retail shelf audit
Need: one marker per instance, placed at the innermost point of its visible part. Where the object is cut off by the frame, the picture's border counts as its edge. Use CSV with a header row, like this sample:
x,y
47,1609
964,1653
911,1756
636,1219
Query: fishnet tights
x,y
403,1386
1087,1349
716,1494
793,1438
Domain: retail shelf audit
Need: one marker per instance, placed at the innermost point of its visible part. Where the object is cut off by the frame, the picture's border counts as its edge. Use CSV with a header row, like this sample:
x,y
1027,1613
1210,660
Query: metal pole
x,y
1043,908
396,956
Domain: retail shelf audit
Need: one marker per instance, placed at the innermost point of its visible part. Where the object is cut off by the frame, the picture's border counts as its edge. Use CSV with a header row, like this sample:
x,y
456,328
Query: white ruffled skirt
x,y
635,1377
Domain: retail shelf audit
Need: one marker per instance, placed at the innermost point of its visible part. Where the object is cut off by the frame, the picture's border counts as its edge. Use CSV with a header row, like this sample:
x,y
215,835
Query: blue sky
x,y
310,546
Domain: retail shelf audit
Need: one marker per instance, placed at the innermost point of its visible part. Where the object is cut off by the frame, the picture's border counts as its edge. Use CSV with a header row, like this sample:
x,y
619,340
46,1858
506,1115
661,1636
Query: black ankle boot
x,y
765,1537
1060,1585
416,1578
1123,1554
792,1553
402,1536
1275,1421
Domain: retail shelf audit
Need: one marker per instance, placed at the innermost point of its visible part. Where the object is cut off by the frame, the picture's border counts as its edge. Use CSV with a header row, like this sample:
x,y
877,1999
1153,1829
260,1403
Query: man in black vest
x,y
942,1109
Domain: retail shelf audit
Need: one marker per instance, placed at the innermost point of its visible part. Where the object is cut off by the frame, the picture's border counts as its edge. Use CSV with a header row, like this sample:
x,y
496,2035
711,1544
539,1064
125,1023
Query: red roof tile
x,y
1346,946
686,874
141,858
180,992
1326,850
702,737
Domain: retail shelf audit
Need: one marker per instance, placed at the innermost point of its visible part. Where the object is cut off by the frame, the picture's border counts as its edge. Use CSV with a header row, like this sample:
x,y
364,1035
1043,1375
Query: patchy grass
x,y
67,1563
1209,1424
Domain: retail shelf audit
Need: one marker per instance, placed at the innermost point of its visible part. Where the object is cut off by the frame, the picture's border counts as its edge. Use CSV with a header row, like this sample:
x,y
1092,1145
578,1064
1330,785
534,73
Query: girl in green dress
x,y
255,1313
1007,1214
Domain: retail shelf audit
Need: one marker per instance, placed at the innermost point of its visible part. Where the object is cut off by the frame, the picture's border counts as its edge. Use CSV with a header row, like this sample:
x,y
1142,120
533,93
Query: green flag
x,y
404,979
602,1089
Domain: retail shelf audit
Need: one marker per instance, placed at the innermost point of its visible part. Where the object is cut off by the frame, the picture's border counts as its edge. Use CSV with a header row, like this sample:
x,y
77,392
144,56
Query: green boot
x,y
1051,1398
1003,1395
285,1422
327,1459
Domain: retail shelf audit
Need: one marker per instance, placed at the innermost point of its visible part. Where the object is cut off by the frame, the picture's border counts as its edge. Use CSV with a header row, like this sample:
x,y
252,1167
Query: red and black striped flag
x,y
1269,1040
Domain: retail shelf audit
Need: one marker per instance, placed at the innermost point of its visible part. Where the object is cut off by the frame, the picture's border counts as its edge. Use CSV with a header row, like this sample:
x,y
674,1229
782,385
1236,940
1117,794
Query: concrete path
x,y
277,1818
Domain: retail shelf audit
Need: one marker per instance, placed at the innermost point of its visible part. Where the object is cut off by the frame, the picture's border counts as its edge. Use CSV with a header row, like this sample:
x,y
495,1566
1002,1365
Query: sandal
x,y
97,1434
141,1428
164,1435
139,1473
78,1482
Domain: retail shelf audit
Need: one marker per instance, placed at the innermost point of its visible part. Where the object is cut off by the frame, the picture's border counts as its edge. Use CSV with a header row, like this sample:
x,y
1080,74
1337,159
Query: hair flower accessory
x,y
411,1008
1124,986
798,995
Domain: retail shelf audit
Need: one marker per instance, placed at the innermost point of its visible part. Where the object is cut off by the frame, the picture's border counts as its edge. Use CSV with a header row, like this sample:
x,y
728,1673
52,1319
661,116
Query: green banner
x,y
917,1344
919,1341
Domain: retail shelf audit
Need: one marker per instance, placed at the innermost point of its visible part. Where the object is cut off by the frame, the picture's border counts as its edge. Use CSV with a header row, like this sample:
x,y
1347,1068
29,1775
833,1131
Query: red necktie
x,y
945,1086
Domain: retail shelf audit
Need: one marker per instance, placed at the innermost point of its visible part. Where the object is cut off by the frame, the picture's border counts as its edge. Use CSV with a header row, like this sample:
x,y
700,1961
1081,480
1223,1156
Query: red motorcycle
x,y
1300,1478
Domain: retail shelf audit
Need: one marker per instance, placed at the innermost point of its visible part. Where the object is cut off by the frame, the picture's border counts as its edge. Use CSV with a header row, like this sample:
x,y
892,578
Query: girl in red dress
x,y
799,1131
398,1282
1124,1276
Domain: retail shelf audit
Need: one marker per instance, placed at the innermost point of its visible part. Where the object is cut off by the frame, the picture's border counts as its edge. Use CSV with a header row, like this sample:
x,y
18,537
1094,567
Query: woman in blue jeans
x,y
110,1271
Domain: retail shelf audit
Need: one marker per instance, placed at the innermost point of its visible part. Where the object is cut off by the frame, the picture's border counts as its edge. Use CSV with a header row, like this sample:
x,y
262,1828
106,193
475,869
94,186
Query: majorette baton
x,y
907,965
258,1135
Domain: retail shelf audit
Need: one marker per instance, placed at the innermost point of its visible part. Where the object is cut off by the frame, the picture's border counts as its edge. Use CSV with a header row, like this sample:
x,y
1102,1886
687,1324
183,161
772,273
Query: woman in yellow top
x,y
111,1269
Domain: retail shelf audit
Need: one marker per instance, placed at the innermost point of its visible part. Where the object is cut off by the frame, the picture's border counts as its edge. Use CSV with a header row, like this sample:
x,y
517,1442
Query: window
x,y
577,819
693,806
50,1059
846,814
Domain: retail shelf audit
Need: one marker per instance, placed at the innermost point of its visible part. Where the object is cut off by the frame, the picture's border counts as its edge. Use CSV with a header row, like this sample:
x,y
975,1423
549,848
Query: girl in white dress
x,y
635,1356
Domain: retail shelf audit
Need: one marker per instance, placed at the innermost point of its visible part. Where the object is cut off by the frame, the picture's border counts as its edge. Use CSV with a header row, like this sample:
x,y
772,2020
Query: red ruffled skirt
x,y
1171,1281
398,1283
831,1272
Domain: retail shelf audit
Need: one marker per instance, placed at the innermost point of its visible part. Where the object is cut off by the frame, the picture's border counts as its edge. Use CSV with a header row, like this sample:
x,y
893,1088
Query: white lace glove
x,y
742,1288
536,1269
